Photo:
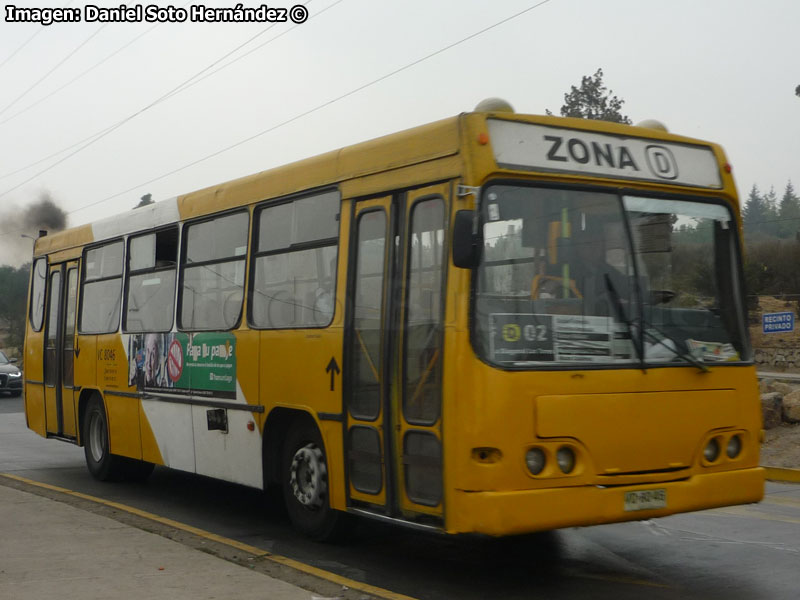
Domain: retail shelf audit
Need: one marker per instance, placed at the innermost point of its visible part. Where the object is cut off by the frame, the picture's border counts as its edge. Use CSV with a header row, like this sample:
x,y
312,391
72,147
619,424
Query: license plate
x,y
646,500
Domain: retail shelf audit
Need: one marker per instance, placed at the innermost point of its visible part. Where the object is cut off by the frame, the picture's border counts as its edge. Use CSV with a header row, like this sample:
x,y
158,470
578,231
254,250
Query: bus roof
x,y
445,138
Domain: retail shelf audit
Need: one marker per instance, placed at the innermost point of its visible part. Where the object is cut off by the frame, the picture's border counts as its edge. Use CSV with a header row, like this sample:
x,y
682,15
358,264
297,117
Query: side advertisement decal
x,y
201,364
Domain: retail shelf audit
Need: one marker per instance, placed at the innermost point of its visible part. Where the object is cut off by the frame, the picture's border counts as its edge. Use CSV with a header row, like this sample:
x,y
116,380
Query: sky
x,y
94,115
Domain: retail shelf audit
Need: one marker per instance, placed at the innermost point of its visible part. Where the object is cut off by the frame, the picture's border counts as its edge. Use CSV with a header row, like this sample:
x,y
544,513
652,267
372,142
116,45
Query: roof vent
x,y
494,105
653,124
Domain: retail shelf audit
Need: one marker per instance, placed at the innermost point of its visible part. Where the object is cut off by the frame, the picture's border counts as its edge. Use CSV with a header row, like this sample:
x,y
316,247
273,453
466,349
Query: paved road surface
x,y
732,553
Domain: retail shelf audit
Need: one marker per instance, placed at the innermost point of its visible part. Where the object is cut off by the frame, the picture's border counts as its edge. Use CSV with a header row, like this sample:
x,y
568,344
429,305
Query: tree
x,y
14,283
771,223
145,200
592,100
755,212
797,91
789,213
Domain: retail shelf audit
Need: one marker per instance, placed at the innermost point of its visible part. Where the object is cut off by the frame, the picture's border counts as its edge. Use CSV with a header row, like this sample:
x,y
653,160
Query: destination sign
x,y
538,147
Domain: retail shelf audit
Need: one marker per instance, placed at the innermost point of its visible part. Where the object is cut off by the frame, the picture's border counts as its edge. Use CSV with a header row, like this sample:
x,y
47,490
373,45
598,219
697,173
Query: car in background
x,y
10,376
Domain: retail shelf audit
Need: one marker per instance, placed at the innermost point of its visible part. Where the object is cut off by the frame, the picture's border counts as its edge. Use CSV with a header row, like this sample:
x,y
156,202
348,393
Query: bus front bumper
x,y
525,511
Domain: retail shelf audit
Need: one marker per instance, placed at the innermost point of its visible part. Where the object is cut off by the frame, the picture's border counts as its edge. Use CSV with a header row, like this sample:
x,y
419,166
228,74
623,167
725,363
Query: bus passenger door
x,y
418,323
393,353
59,355
365,378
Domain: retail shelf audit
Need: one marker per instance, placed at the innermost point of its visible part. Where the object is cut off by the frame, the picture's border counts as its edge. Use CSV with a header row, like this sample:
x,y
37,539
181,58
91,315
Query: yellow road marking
x,y
282,560
257,552
619,579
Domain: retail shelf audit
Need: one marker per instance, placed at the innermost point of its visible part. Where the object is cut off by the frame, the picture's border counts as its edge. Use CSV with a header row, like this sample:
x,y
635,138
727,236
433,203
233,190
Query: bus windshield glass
x,y
572,277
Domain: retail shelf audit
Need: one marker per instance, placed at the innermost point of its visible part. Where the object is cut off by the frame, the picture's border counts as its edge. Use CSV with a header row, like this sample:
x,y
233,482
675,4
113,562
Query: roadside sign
x,y
777,322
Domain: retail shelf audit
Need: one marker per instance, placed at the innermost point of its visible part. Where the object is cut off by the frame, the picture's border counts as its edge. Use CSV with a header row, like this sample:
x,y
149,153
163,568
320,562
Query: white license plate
x,y
646,499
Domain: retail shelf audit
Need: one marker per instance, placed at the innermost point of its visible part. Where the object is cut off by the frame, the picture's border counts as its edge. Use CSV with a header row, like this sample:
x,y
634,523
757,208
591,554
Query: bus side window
x,y
102,289
152,266
294,264
213,272
37,293
423,320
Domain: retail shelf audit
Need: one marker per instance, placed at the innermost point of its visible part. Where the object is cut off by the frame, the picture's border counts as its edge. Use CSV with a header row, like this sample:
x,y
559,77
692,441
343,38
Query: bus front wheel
x,y
305,486
103,465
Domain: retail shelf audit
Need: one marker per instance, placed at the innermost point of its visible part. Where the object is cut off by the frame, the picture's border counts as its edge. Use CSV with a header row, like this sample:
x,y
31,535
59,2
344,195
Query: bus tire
x,y
103,465
305,486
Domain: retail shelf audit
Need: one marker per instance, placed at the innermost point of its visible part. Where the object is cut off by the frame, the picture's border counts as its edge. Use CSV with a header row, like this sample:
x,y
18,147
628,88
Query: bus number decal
x,y
535,333
106,354
522,337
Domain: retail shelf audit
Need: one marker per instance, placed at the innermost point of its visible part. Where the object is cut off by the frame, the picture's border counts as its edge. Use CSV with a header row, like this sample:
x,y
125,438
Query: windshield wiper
x,y
636,341
687,356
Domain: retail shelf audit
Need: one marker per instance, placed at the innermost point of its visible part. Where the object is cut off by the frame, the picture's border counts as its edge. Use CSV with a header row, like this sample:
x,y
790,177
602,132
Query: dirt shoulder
x,y
781,447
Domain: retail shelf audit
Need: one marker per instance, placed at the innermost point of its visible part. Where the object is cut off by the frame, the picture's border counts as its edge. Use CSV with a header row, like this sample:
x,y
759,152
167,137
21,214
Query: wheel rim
x,y
308,477
97,437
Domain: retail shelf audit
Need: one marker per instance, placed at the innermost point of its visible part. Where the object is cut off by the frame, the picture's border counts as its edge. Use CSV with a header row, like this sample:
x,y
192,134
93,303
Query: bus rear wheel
x,y
103,465
305,486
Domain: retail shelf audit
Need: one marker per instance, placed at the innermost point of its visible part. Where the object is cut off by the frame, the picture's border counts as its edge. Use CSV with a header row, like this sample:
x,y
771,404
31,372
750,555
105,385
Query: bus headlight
x,y
711,451
734,446
535,460
565,458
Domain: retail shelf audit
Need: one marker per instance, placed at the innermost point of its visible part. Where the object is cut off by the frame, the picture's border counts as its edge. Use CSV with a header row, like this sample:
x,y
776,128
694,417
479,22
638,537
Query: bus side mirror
x,y
466,244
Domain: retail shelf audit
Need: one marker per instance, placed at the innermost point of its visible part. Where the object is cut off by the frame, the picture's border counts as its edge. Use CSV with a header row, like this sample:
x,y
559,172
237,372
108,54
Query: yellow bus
x,y
496,323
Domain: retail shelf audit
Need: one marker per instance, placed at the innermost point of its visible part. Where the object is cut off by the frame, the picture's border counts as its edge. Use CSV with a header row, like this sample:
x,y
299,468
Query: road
x,y
749,552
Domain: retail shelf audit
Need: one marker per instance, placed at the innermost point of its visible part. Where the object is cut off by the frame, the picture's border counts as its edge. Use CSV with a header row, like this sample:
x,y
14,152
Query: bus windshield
x,y
572,277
